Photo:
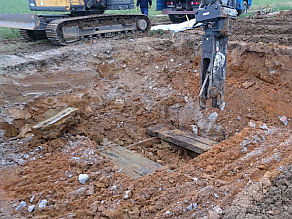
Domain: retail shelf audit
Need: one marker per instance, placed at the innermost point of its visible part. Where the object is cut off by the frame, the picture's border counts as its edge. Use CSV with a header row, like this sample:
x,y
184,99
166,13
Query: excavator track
x,y
33,35
71,30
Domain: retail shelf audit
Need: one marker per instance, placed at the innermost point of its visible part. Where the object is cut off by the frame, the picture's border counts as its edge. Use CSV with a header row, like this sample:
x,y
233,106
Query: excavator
x,y
79,20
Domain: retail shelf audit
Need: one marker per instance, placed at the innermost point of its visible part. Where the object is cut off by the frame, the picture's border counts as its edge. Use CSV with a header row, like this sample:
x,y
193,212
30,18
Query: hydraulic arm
x,y
215,20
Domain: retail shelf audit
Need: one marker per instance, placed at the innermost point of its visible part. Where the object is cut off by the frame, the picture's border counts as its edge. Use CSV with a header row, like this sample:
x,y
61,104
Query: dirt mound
x,y
273,200
267,30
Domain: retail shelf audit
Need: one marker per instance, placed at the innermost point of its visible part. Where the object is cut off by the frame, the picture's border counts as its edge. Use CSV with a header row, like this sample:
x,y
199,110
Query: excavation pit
x,y
123,87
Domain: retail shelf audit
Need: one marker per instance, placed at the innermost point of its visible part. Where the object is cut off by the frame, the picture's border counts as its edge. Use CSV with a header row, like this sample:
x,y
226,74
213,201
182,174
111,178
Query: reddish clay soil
x,y
123,86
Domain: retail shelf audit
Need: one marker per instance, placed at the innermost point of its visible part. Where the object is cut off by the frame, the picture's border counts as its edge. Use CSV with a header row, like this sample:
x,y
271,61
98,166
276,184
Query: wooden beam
x,y
133,164
191,142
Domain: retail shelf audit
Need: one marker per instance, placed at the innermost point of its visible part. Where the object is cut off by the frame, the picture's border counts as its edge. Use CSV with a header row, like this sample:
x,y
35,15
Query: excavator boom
x,y
215,20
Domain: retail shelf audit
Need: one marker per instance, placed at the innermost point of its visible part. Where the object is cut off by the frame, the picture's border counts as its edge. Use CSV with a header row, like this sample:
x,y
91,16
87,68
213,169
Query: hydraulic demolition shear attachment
x,y
215,20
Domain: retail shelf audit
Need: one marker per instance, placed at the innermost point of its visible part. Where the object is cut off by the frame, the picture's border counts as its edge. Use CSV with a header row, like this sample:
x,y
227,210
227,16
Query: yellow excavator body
x,y
58,3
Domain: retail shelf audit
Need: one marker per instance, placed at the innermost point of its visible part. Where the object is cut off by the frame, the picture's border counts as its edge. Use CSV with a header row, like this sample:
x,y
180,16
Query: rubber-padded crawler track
x,y
54,27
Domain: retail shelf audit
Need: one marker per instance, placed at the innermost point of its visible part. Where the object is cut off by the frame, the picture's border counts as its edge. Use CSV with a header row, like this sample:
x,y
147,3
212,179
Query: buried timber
x,y
74,121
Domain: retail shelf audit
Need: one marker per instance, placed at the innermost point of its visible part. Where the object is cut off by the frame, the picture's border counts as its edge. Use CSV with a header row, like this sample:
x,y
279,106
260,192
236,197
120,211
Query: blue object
x,y
237,4
160,4
144,11
249,2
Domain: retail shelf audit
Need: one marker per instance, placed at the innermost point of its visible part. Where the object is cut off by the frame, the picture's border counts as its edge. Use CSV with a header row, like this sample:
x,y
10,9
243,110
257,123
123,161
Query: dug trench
x,y
122,87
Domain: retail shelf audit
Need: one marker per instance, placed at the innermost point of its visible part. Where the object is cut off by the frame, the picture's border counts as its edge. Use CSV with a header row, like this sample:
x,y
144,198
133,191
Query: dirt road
x,y
123,86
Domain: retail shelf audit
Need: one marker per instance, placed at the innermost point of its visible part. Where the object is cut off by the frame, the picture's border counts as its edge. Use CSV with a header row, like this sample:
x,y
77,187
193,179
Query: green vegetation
x,y
274,4
6,33
21,6
15,6
156,32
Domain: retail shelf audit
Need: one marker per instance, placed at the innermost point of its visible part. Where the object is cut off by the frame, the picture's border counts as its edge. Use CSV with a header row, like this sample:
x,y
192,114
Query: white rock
x,y
195,129
83,178
251,124
216,195
218,210
213,116
223,106
26,156
30,208
31,200
264,126
168,212
119,101
21,205
127,194
43,203
190,207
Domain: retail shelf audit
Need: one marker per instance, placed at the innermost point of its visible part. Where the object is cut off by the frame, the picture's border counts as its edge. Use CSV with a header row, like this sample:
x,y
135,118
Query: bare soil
x,y
123,86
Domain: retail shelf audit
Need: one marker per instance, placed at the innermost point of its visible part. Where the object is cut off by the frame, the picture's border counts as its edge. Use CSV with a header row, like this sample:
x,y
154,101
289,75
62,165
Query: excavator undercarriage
x,y
67,29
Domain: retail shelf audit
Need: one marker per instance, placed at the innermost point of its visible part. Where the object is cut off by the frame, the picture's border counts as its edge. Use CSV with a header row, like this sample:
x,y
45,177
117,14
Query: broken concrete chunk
x,y
128,194
30,208
119,101
21,205
223,106
16,113
43,203
83,178
252,124
57,124
264,127
31,200
216,195
284,120
213,116
247,84
218,210
190,207
195,129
